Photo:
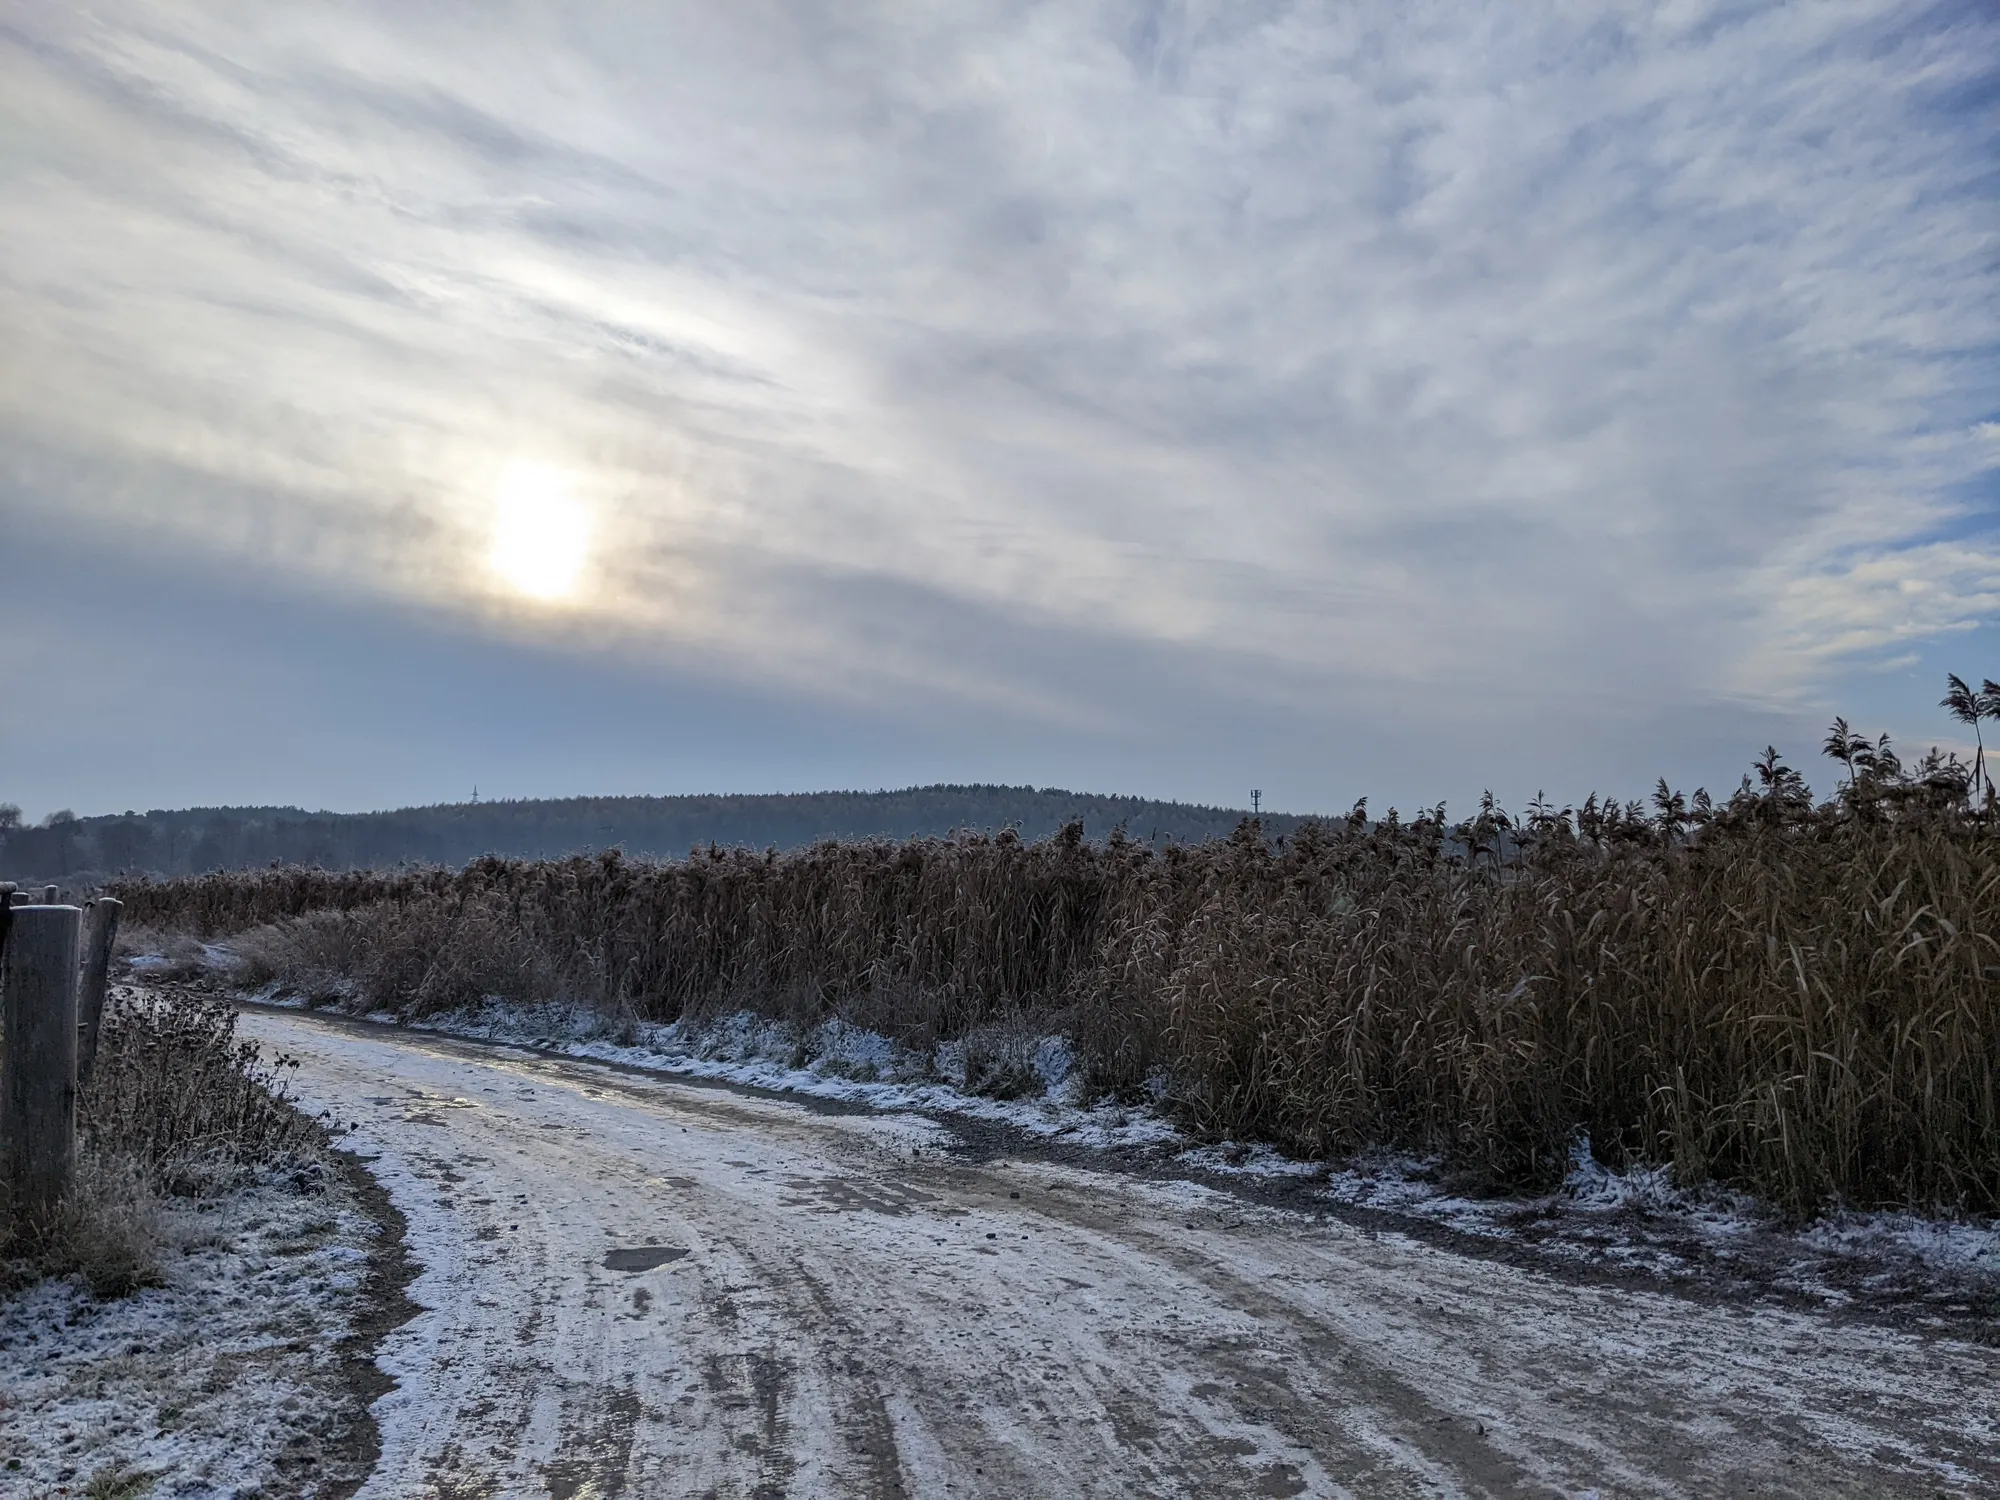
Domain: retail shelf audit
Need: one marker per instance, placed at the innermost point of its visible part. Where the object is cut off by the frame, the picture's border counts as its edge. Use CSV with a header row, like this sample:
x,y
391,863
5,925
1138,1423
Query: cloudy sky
x,y
1342,398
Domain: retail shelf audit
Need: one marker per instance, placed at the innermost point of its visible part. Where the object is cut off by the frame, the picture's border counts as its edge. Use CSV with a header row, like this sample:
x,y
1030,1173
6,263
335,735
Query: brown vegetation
x,y
175,1105
177,1093
1796,1000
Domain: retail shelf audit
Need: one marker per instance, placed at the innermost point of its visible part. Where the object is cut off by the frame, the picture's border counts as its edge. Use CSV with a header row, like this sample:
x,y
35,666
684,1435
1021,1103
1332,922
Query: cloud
x,y
1875,602
1379,350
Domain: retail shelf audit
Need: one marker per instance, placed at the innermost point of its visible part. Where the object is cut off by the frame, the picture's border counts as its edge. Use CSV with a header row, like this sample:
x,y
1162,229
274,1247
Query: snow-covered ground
x,y
1637,1221
634,1283
836,1061
229,1380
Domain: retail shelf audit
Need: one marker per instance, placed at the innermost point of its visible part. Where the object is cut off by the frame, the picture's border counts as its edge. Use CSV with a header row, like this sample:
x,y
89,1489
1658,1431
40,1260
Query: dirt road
x,y
634,1285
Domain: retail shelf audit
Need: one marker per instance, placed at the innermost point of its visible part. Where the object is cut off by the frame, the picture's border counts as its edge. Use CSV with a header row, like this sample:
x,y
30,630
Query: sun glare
x,y
541,534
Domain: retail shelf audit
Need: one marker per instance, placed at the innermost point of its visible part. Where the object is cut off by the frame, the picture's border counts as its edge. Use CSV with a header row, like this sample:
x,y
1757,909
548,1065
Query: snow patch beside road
x,y
836,1061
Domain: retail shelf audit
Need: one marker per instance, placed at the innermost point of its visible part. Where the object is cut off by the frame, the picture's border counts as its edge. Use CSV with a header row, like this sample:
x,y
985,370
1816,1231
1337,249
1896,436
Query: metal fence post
x,y
38,1081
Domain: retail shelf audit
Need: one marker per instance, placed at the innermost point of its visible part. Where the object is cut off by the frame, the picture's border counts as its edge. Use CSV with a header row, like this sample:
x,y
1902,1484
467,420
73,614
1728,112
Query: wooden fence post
x,y
104,913
38,1081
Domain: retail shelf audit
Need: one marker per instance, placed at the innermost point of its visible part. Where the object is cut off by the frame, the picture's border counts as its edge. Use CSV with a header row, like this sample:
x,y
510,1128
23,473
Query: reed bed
x,y
1799,1001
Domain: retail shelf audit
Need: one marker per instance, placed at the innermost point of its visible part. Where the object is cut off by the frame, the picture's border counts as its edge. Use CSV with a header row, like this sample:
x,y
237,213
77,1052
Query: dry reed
x,y
1799,1001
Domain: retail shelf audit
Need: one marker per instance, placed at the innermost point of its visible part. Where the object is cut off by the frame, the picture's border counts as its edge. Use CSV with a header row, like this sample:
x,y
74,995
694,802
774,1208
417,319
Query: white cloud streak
x,y
1390,346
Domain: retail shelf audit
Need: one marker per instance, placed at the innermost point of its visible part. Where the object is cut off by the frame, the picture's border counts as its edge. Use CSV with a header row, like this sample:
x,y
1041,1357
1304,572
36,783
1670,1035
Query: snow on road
x,y
642,1285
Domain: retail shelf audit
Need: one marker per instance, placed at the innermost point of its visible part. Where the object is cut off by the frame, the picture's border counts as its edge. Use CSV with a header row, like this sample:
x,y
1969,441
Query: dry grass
x,y
176,957
1796,1000
107,1230
177,1092
119,1483
176,1106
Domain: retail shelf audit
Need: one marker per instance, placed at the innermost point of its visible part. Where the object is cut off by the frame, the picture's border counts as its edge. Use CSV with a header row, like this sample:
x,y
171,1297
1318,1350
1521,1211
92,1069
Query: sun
x,y
542,534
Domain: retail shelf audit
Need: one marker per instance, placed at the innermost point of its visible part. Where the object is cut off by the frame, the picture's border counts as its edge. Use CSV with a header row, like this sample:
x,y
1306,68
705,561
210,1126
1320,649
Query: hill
x,y
233,838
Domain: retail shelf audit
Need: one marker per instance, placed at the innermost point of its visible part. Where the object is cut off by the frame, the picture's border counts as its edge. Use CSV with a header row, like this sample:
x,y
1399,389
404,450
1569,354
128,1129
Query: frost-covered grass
x,y
1640,1219
176,1106
225,1378
173,1327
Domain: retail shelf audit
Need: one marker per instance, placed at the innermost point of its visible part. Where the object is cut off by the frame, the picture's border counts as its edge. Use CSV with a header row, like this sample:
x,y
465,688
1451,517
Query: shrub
x,y
178,1093
176,1104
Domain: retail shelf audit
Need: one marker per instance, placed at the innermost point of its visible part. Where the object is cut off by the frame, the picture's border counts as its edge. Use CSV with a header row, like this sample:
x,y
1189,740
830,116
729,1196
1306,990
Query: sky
x,y
1385,399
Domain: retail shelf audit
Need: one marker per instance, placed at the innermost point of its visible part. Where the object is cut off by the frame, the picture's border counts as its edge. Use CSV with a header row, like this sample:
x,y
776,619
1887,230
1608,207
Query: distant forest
x,y
64,847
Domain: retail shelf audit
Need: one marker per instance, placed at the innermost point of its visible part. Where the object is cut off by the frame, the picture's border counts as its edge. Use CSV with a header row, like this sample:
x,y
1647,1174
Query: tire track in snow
x,y
850,1321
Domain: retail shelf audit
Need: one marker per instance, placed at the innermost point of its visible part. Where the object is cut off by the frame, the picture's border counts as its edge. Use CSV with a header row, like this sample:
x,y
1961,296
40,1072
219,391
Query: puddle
x,y
641,1257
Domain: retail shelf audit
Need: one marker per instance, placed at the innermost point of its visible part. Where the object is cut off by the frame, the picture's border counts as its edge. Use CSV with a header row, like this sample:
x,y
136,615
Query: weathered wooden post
x,y
38,1081
102,933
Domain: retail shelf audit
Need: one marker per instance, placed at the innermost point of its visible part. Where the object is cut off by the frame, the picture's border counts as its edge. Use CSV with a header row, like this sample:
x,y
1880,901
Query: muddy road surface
x,y
634,1285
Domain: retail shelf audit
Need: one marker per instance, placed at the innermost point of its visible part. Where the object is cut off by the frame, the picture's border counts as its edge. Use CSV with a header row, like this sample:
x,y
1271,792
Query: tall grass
x,y
1799,1001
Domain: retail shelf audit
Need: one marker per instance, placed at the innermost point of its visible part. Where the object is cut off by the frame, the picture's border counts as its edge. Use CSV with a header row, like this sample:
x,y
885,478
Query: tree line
x,y
189,841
